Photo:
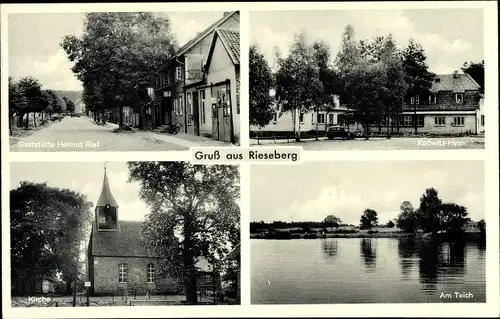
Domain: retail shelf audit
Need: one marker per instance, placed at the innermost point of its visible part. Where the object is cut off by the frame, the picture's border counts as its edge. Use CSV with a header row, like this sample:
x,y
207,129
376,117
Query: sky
x,y
450,37
34,40
314,190
86,178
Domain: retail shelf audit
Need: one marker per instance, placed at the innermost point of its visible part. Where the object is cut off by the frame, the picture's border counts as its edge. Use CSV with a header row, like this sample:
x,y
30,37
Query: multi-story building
x,y
183,95
453,105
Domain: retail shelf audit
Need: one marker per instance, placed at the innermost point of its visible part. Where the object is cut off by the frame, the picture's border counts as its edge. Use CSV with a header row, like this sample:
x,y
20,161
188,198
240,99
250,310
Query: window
x,y
408,120
330,118
439,120
458,121
301,117
122,273
208,278
432,99
321,118
417,99
482,120
202,104
190,103
176,107
178,74
151,273
420,120
181,106
459,98
412,100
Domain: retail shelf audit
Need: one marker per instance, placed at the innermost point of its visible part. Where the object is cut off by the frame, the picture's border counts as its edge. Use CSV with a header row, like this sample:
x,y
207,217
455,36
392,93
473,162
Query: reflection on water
x,y
352,270
368,251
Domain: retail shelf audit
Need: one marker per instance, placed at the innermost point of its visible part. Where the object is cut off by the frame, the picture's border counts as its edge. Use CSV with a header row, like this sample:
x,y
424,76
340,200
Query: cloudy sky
x,y
450,37
86,178
34,43
313,190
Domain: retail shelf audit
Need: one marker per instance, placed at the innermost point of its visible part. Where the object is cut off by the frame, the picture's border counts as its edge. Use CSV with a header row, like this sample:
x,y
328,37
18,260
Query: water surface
x,y
365,270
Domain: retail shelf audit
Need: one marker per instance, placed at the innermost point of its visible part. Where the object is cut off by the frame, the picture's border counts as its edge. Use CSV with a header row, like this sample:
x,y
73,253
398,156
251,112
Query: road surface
x,y
82,134
377,143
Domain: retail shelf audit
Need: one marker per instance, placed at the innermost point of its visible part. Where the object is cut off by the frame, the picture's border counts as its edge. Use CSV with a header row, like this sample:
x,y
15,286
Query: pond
x,y
366,270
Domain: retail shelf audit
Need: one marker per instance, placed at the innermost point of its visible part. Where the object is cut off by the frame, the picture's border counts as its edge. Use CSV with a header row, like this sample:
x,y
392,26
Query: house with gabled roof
x,y
454,104
183,73
119,262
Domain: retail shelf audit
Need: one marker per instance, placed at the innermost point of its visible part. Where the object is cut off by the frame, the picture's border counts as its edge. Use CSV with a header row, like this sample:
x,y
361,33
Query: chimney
x,y
455,74
226,14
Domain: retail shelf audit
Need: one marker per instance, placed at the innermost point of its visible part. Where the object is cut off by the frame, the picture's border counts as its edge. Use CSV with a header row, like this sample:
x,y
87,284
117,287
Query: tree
x,y
390,224
261,81
476,71
332,221
418,78
452,218
194,213
298,87
408,219
349,53
328,79
31,89
70,106
430,205
117,54
369,219
47,228
395,88
18,103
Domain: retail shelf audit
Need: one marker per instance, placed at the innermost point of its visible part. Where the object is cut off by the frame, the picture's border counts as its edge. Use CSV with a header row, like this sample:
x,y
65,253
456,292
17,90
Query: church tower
x,y
106,210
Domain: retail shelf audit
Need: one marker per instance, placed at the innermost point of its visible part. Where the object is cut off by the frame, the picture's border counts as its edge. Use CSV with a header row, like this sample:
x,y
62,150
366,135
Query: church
x,y
120,263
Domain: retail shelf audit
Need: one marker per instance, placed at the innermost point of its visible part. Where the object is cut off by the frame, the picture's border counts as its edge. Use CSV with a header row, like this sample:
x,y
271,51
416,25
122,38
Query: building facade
x,y
120,263
453,105
182,95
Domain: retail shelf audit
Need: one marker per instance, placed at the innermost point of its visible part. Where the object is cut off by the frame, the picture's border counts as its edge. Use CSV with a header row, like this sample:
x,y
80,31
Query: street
x,y
82,134
377,143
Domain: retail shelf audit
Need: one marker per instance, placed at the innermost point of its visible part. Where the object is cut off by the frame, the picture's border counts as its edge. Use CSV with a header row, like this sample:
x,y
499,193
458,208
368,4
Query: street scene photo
x,y
124,234
367,79
123,81
414,233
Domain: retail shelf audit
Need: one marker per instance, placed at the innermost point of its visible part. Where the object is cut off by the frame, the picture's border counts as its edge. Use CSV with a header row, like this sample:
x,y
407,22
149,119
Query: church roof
x,y
106,198
127,241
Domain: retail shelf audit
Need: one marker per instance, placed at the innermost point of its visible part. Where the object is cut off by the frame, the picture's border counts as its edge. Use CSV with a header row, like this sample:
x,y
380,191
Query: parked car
x,y
338,131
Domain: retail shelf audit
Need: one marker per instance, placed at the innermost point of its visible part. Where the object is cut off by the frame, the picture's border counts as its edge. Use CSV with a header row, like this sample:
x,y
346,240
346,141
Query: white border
x,y
489,154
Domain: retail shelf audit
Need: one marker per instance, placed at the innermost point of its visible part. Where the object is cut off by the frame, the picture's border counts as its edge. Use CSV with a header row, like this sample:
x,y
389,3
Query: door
x,y
167,111
196,113
215,122
220,118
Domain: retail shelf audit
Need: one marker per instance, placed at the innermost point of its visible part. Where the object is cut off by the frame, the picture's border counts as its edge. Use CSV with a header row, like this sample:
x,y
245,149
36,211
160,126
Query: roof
x,y
106,198
126,241
231,40
459,83
200,36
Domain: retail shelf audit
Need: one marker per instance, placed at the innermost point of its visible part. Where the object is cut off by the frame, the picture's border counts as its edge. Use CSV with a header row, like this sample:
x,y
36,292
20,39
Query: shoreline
x,y
469,236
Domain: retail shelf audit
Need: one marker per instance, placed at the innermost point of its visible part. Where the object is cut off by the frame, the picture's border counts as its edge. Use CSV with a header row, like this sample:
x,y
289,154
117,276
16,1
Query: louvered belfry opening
x,y
106,208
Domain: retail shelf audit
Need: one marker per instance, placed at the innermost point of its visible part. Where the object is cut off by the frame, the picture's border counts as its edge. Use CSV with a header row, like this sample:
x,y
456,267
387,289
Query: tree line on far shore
x,y
26,96
432,216
371,77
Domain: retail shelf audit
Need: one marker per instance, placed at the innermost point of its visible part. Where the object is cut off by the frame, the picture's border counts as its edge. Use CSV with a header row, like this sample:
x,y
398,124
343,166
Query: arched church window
x,y
122,273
